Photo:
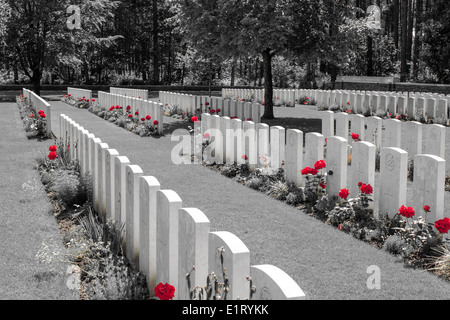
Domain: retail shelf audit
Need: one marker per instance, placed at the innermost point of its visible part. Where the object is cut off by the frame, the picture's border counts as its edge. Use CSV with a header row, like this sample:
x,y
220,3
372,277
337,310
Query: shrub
x,y
395,245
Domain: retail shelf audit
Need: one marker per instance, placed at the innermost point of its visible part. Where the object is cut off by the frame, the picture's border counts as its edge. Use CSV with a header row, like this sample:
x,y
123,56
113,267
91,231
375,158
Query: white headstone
x,y
148,188
393,180
272,283
429,185
167,205
225,246
193,248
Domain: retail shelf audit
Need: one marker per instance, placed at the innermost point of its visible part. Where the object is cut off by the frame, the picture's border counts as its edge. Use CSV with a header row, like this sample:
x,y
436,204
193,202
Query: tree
x,y
39,36
230,28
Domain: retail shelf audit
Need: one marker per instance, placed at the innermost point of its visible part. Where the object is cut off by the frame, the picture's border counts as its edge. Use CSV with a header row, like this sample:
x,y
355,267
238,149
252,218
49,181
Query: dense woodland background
x,y
286,43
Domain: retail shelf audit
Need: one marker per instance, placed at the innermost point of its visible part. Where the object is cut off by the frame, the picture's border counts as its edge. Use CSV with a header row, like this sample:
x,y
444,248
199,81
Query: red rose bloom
x,y
218,110
52,155
305,171
52,148
142,119
442,225
212,111
164,291
206,103
344,193
148,117
43,115
249,119
136,113
194,119
206,136
128,107
130,116
355,136
323,185
407,212
426,208
32,115
155,122
367,189
117,107
244,157
320,165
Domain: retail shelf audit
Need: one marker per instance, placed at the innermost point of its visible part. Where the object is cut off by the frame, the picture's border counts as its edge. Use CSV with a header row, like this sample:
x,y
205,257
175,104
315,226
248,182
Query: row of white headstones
x,y
381,132
416,106
38,103
232,139
144,107
163,239
242,110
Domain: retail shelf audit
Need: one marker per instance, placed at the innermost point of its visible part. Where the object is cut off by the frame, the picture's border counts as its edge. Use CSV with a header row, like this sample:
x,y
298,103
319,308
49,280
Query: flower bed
x,y
100,269
142,125
81,103
35,123
419,243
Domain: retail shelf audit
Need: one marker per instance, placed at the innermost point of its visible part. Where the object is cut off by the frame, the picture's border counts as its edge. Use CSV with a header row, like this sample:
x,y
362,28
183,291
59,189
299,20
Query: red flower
x,y
348,102
206,103
367,189
407,212
43,115
244,157
305,171
111,109
355,136
117,107
194,119
323,185
155,122
206,136
341,227
142,119
249,119
130,116
52,155
164,291
320,165
40,112
52,148
148,117
218,110
426,208
128,107
442,225
233,118
212,111
32,115
307,98
360,184
93,100
344,193
136,113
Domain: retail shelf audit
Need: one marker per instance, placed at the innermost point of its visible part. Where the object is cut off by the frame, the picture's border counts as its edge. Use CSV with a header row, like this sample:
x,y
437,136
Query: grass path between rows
x,y
26,219
325,262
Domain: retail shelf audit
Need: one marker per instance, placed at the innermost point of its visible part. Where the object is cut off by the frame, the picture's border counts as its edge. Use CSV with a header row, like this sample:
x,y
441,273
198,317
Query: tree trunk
x,y
233,72
36,81
404,41
268,85
417,39
155,43
369,56
395,25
